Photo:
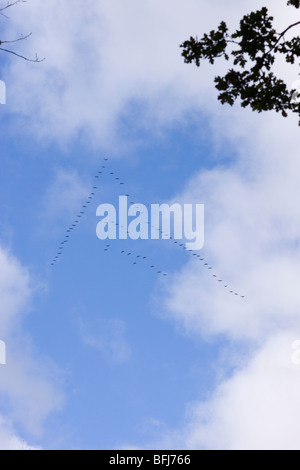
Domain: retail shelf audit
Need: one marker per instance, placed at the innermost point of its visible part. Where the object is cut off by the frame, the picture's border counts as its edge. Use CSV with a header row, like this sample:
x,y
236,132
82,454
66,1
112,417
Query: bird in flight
x,y
139,257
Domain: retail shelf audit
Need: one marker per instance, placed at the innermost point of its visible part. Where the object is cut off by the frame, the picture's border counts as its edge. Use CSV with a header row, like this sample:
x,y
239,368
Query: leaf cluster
x,y
254,48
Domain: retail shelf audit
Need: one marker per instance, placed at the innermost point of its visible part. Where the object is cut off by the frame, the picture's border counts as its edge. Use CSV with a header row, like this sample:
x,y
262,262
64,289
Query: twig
x,y
21,56
12,4
22,38
282,34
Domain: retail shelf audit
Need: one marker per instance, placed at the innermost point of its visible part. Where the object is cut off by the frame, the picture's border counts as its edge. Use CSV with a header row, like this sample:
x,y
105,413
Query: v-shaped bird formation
x,y
135,258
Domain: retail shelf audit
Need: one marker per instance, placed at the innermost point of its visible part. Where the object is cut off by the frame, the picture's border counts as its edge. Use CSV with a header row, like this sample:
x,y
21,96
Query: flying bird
x,y
181,245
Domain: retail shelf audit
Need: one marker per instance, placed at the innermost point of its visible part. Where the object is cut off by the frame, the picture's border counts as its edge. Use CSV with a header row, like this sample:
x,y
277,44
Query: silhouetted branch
x,y
251,77
9,5
22,38
21,56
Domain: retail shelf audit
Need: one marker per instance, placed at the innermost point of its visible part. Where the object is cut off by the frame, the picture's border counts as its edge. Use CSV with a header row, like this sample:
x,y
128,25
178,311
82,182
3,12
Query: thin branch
x,y
22,38
282,34
231,41
9,5
12,4
276,43
21,56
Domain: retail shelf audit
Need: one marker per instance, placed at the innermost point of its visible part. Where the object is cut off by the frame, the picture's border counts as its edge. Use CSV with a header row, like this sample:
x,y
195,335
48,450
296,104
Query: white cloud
x,y
252,239
108,336
28,390
103,57
256,409
66,193
15,291
63,198
9,440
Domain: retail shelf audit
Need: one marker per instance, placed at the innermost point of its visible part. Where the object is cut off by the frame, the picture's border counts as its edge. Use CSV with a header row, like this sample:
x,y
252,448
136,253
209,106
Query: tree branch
x,y
22,38
12,4
9,5
21,56
282,34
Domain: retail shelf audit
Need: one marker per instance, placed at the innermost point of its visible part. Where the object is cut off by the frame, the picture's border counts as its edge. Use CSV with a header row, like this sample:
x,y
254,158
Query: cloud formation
x,y
252,240
108,336
25,384
9,440
255,409
109,60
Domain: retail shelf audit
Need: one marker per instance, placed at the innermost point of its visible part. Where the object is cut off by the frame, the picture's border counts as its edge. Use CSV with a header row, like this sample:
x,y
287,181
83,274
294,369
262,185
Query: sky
x,y
106,354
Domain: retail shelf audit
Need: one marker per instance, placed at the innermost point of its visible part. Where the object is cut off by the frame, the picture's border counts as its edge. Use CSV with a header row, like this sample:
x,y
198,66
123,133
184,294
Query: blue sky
x,y
98,293
105,354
